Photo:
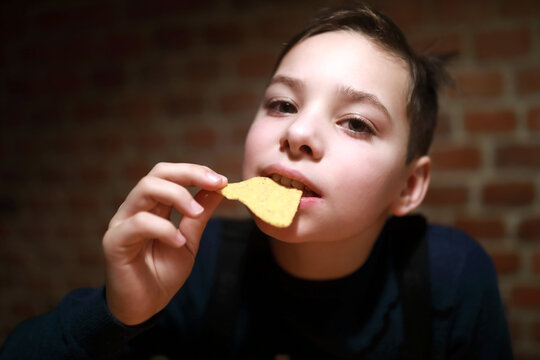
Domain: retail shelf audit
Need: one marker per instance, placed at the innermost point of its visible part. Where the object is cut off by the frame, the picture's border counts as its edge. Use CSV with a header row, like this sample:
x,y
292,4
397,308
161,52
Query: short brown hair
x,y
427,72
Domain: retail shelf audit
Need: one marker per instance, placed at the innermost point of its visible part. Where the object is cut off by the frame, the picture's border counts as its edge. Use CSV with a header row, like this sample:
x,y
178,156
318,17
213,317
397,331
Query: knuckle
x,y
139,220
159,167
146,182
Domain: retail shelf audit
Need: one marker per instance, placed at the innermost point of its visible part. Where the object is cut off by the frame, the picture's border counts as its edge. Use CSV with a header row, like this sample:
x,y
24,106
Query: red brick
x,y
23,309
456,158
229,165
529,229
482,227
490,121
438,43
522,156
256,64
520,8
86,111
106,142
72,18
446,195
172,38
15,24
184,104
11,256
238,136
47,113
108,78
443,127
478,83
462,10
503,43
516,330
42,203
533,119
147,9
70,231
137,107
238,101
29,86
38,54
152,141
80,50
524,296
535,331
405,14
94,174
122,46
135,171
202,138
271,27
84,202
202,69
53,176
535,263
68,143
506,262
223,34
64,82
508,194
528,80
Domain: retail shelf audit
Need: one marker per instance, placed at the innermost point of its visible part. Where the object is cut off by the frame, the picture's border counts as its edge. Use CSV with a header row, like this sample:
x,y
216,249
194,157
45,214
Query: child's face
x,y
334,118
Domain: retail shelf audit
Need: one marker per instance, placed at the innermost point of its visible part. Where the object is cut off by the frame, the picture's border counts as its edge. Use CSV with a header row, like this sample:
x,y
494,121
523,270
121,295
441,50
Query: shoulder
x,y
459,267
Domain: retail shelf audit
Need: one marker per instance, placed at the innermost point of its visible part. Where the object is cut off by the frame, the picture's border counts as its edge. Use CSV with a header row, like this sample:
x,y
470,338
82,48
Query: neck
x,y
325,260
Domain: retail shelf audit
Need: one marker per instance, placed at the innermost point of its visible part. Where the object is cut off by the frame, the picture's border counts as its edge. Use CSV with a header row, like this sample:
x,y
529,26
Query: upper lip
x,y
292,174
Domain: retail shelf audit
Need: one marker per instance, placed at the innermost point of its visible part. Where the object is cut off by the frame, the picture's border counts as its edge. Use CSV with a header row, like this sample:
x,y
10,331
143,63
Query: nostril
x,y
296,150
306,149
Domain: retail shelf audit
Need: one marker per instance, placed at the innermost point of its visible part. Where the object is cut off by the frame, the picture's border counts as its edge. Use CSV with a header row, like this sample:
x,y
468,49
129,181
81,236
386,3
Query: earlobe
x,y
415,187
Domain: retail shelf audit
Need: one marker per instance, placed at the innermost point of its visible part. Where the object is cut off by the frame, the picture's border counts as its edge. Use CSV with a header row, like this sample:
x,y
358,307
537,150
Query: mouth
x,y
293,183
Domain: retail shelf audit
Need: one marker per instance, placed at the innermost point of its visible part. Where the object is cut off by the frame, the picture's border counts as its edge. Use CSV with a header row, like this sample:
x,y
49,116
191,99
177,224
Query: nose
x,y
302,138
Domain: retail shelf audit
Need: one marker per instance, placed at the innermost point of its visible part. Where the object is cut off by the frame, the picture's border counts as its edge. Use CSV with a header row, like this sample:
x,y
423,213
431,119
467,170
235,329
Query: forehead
x,y
350,59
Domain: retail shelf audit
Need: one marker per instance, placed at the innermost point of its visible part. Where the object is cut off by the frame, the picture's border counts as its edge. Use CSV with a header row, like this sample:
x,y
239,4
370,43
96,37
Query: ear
x,y
415,187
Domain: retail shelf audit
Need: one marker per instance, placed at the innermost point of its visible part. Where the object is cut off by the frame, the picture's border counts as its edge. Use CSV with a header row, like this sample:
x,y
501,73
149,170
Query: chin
x,y
289,234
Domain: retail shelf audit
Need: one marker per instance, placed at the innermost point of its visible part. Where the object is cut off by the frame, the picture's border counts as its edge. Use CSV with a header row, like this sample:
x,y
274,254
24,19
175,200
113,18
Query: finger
x,y
190,175
151,192
192,228
126,238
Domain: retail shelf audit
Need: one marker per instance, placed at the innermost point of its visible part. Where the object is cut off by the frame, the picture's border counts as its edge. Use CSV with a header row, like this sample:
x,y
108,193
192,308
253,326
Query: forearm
x,y
81,327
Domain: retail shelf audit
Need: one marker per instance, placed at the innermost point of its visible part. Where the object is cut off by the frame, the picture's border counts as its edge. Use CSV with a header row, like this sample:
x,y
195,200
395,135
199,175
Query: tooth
x,y
285,181
276,177
297,184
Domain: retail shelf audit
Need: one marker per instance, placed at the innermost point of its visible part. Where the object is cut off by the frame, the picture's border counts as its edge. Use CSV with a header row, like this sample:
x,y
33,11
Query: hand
x,y
147,258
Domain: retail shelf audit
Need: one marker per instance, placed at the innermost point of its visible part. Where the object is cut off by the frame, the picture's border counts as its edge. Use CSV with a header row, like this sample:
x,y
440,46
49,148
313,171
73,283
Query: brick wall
x,y
93,93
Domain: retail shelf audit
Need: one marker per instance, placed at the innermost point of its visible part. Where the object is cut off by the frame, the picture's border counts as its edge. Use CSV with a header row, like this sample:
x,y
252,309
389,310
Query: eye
x,y
357,126
281,107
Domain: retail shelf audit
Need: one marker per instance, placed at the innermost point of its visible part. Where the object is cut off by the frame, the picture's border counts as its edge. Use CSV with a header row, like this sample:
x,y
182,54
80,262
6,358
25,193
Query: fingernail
x,y
196,207
180,238
214,177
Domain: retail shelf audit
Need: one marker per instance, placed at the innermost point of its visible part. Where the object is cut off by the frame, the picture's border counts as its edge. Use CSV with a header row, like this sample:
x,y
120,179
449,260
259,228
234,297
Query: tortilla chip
x,y
272,202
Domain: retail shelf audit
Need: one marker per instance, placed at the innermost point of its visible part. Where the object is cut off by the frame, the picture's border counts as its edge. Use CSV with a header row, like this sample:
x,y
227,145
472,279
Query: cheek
x,y
369,183
257,139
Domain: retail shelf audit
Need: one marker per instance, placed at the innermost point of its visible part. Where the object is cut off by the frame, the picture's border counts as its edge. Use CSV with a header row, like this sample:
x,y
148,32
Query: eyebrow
x,y
351,94
354,95
293,83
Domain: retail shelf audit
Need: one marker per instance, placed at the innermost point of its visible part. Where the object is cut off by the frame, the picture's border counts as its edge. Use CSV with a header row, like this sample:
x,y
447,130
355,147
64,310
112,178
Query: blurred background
x,y
94,93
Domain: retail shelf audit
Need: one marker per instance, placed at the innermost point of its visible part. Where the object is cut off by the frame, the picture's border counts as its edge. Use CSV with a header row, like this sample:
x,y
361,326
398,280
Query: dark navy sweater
x,y
356,317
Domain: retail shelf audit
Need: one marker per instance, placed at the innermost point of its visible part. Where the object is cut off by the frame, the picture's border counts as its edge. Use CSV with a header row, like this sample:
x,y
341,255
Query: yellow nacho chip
x,y
272,202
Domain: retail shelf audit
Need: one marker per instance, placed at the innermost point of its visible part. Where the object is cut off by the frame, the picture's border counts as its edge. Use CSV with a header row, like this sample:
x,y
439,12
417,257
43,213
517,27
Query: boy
x,y
349,113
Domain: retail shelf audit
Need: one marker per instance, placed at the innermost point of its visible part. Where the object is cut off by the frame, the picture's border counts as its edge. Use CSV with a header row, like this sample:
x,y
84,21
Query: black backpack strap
x,y
218,330
411,261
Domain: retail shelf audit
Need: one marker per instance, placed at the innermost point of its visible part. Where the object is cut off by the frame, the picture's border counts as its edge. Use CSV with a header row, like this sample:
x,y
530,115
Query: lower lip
x,y
307,202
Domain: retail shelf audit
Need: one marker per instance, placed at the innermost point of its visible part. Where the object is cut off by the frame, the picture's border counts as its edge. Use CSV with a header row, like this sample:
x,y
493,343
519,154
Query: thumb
x,y
192,228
